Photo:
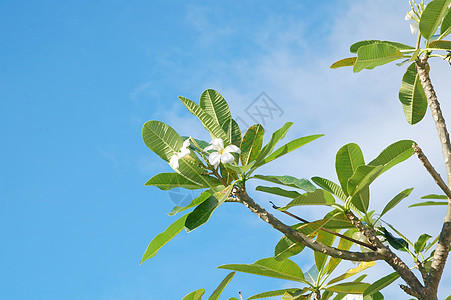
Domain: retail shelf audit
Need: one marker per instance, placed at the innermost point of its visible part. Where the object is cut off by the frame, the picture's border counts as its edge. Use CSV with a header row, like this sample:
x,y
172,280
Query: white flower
x,y
409,15
221,154
184,151
414,27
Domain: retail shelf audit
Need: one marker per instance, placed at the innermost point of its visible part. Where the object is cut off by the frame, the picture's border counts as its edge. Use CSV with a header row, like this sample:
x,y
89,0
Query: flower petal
x,y
218,143
214,158
409,15
232,148
174,161
183,152
186,143
414,27
227,158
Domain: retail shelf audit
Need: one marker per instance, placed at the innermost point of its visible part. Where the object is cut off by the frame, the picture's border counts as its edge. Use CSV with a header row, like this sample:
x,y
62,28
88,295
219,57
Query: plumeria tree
x,y
351,230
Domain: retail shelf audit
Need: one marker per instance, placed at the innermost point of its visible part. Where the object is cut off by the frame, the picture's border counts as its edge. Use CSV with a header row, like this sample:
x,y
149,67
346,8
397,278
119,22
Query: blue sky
x,y
80,78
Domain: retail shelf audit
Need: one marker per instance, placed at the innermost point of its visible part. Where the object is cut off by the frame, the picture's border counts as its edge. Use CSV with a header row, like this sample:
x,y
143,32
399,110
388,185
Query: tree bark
x,y
442,250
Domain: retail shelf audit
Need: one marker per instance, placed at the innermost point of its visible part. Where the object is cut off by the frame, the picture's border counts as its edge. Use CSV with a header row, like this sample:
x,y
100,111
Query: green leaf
x,y
195,202
345,62
375,296
440,45
164,237
290,146
327,239
330,186
232,129
161,139
421,242
270,267
373,55
394,154
318,197
215,105
202,144
290,181
251,144
272,294
381,283
201,214
297,295
222,285
286,248
435,196
396,200
429,203
432,17
401,47
343,244
363,176
412,96
347,160
275,138
351,272
445,28
397,243
337,220
311,228
278,191
195,173
349,287
167,181
207,120
196,295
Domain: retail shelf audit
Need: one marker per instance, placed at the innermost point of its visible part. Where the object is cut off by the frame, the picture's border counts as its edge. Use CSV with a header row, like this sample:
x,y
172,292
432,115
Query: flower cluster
x,y
220,155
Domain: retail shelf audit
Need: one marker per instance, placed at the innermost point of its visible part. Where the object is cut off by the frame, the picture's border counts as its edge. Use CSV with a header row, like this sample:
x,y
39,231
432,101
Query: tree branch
x,y
442,250
437,178
298,237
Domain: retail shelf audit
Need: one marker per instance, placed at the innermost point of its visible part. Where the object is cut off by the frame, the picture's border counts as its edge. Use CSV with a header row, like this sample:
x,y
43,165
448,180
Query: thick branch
x,y
441,252
437,178
298,237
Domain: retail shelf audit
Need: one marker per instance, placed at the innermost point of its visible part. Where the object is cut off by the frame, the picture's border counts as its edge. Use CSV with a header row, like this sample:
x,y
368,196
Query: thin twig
x,y
437,178
241,297
327,230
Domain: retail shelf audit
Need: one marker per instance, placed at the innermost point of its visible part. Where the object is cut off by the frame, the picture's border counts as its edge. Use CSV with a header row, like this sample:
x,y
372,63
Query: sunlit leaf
x,y
349,287
421,242
432,17
275,138
330,186
214,104
373,55
272,294
445,28
396,200
412,96
195,202
440,45
196,295
347,160
343,244
393,154
161,139
207,120
290,181
327,239
270,267
232,129
167,181
202,213
278,191
435,196
286,248
345,62
318,197
290,146
222,285
354,47
251,144
381,283
164,237
429,203
351,272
